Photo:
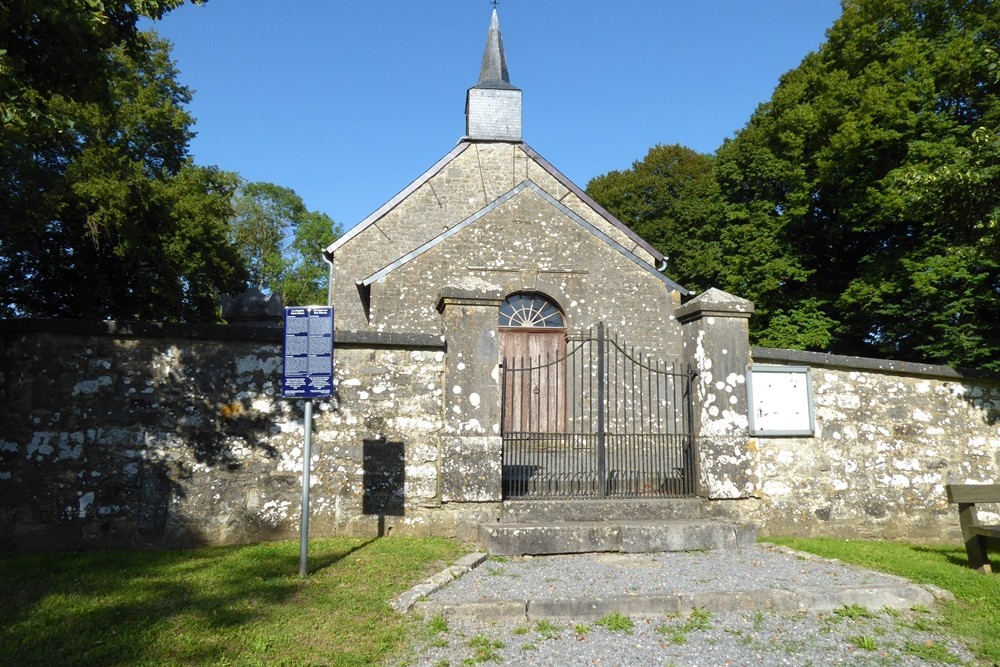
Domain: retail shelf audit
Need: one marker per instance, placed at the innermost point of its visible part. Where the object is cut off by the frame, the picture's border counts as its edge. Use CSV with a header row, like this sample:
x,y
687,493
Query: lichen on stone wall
x,y
886,446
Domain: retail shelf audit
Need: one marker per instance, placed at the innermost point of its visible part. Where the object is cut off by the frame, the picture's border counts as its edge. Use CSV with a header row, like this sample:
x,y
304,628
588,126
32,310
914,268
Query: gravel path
x,y
600,575
853,635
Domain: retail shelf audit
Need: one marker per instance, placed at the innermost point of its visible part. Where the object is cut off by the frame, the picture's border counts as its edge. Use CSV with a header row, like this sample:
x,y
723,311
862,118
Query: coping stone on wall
x,y
191,331
887,366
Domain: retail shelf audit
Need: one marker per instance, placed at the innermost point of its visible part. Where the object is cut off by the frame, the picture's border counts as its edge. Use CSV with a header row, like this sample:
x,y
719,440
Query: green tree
x,y
110,218
52,50
863,199
281,242
671,199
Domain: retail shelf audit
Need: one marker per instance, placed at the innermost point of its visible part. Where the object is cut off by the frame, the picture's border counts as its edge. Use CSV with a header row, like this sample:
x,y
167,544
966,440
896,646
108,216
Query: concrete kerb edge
x,y
407,600
901,594
938,594
644,606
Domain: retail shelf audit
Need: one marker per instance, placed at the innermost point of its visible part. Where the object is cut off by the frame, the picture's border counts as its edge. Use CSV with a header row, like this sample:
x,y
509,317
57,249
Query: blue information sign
x,y
308,353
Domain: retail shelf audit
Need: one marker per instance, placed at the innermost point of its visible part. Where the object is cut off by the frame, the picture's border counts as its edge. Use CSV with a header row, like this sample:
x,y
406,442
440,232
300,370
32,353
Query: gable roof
x,y
392,203
600,210
521,187
454,153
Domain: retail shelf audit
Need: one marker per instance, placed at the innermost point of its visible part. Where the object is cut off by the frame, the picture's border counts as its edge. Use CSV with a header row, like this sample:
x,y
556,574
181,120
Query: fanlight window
x,y
530,310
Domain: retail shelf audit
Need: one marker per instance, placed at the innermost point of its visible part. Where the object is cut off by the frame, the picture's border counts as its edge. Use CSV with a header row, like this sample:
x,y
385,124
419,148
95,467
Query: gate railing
x,y
600,421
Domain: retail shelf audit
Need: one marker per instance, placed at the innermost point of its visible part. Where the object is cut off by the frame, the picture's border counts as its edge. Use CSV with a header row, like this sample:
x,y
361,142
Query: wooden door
x,y
534,379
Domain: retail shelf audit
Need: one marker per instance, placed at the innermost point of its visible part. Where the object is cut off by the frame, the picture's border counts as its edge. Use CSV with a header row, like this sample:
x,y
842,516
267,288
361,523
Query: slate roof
x,y
493,73
458,150
521,187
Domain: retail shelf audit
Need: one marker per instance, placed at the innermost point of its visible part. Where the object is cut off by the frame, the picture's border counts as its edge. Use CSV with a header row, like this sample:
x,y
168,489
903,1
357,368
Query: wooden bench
x,y
978,537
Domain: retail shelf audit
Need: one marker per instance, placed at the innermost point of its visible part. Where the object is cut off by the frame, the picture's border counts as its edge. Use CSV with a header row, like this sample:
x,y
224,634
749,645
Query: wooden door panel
x,y
535,380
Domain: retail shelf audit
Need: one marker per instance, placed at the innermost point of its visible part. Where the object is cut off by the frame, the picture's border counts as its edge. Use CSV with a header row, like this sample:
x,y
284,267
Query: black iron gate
x,y
601,421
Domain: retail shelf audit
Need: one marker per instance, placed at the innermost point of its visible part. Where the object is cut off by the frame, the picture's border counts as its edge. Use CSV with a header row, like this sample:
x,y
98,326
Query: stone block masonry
x,y
159,435
889,436
128,435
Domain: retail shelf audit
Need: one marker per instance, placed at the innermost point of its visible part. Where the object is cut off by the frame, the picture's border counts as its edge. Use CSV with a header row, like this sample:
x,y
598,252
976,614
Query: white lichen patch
x,y
84,502
251,364
776,488
91,386
276,512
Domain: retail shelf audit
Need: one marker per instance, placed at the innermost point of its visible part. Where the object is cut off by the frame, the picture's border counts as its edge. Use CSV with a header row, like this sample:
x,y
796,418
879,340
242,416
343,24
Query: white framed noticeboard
x,y
781,400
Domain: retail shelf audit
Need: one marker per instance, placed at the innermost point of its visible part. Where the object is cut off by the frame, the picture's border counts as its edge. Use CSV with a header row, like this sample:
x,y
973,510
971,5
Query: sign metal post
x,y
307,374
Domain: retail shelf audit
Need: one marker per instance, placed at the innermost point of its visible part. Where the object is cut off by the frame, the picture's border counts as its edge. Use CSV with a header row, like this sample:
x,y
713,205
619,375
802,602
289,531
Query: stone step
x,y
546,511
515,539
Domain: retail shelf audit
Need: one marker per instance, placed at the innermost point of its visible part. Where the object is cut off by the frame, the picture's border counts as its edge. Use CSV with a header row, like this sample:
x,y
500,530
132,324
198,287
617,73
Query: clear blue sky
x,y
346,102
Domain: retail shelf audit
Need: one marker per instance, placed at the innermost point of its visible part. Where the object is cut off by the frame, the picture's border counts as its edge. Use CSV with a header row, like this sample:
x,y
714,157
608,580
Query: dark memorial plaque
x,y
308,353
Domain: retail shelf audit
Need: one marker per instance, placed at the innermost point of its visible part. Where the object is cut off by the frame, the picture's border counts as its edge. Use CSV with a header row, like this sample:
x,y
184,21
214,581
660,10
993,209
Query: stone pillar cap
x,y
714,303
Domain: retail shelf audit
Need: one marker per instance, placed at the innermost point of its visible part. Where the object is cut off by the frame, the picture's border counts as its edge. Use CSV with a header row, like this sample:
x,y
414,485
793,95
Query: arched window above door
x,y
530,310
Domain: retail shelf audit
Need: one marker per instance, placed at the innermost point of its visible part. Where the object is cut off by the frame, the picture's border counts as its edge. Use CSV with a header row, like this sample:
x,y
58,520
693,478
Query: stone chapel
x,y
568,370
510,364
494,219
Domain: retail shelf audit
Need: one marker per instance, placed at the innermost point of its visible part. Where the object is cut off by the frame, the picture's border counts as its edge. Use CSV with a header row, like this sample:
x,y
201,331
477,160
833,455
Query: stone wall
x,y
157,435
165,435
889,436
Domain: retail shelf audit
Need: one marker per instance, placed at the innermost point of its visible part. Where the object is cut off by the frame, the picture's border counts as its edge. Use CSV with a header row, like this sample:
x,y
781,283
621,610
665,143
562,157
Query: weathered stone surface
x,y
641,536
476,174
150,440
887,444
521,246
128,435
471,469
717,344
617,510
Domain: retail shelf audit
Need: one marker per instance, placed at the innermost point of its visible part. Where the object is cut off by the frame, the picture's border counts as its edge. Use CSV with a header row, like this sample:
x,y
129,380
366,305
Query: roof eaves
x,y
392,203
523,185
610,241
383,272
587,199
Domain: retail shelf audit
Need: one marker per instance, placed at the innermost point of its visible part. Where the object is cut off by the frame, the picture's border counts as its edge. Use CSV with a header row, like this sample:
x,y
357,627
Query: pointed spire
x,y
493,105
493,73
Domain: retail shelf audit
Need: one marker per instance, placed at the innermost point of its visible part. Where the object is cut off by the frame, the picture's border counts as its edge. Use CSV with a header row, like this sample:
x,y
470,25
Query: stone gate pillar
x,y
471,446
717,345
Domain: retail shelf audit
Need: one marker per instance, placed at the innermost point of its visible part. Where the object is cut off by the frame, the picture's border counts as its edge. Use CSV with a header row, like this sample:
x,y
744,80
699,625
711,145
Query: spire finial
x,y
493,105
494,70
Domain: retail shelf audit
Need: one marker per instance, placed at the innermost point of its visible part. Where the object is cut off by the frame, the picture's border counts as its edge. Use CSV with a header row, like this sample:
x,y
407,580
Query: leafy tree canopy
x,y
110,218
873,178
671,199
280,241
60,49
103,214
861,203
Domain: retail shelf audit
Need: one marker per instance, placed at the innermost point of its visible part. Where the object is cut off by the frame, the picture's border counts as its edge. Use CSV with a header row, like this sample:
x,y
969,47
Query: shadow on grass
x,y
316,564
953,555
147,607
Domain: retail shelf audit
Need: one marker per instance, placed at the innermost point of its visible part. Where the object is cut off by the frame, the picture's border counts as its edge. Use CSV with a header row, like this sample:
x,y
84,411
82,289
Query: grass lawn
x,y
247,606
213,606
975,614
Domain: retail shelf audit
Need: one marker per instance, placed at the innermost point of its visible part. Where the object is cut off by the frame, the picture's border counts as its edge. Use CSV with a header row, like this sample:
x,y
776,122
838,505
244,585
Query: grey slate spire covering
x,y
493,105
493,73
